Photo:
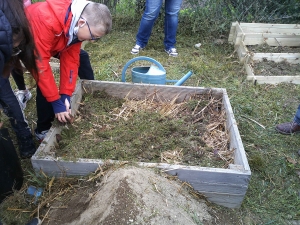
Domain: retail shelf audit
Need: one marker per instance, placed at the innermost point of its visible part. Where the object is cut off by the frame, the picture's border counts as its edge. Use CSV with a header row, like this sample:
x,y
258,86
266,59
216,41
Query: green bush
x,y
214,17
208,18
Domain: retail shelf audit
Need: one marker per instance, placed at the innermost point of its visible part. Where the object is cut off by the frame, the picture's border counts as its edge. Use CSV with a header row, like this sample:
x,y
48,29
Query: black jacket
x,y
6,43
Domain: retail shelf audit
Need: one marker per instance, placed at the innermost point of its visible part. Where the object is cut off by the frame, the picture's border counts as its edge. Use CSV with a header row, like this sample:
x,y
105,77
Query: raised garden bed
x,y
224,186
257,43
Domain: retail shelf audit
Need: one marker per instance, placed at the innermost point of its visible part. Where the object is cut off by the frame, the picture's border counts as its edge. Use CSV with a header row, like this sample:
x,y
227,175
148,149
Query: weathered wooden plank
x,y
293,58
209,187
257,33
238,35
232,32
229,201
218,176
76,99
271,30
249,71
242,52
142,91
270,25
272,39
216,186
259,79
240,157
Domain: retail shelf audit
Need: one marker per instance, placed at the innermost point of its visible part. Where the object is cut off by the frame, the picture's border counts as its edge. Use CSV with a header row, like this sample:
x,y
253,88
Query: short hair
x,y
98,16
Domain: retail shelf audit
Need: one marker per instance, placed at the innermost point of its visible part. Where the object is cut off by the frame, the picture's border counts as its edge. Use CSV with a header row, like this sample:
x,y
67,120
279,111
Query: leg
x,y
290,127
150,15
22,94
11,107
11,173
45,112
297,116
172,8
85,70
18,78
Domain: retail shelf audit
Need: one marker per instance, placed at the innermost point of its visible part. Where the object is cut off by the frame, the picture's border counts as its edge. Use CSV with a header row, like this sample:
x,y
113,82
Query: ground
x,y
133,195
273,193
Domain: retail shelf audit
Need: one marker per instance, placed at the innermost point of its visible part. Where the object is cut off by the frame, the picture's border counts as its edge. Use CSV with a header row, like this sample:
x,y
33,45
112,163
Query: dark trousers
x,y
44,109
11,173
18,76
11,108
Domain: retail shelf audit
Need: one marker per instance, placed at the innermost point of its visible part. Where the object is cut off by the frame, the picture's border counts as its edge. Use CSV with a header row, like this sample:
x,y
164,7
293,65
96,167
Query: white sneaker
x,y
23,97
136,49
172,52
40,136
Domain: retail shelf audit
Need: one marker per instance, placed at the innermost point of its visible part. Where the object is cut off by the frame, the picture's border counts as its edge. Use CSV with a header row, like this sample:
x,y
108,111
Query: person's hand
x,y
63,117
62,109
66,100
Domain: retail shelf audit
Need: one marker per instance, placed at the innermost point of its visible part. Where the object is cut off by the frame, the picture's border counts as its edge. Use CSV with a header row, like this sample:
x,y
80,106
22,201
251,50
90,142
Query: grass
x,y
273,196
148,131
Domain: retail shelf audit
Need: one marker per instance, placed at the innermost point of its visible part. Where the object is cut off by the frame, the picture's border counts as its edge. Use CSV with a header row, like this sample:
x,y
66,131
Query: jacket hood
x,y
76,8
68,12
60,11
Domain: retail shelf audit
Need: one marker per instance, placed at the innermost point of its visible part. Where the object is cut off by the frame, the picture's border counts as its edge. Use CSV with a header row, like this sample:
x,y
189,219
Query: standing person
x,y
290,127
172,8
16,43
59,27
23,94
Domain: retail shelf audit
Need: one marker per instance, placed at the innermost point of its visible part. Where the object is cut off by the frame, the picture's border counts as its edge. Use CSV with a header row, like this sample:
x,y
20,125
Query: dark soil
x,y
272,49
271,68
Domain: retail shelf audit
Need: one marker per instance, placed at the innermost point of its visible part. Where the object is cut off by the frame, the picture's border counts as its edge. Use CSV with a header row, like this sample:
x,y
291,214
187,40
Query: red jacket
x,y
50,23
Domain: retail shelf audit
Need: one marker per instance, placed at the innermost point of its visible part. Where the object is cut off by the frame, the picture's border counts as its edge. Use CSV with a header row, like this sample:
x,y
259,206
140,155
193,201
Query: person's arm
x,y
44,40
5,41
69,64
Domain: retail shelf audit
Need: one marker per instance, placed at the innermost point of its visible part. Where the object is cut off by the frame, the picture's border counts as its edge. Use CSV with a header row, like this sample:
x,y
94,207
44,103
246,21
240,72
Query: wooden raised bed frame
x,y
226,187
244,34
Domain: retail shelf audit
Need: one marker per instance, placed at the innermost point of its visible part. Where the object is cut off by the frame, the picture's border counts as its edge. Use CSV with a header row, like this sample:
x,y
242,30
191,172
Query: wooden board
x,y
226,187
293,58
259,33
260,79
271,39
271,25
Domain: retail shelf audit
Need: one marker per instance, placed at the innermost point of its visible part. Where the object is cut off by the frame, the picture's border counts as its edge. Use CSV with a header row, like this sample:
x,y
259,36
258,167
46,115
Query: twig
x,y
254,121
115,73
44,217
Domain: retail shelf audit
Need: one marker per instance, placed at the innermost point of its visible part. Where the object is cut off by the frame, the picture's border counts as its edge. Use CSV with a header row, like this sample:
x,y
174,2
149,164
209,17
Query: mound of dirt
x,y
132,195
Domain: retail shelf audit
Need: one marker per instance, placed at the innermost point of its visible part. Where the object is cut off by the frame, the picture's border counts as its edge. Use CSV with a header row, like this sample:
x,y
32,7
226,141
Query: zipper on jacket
x,y
71,76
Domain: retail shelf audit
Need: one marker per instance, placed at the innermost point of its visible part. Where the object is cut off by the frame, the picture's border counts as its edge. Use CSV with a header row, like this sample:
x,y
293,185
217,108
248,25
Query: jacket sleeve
x,y
46,79
44,42
69,64
5,41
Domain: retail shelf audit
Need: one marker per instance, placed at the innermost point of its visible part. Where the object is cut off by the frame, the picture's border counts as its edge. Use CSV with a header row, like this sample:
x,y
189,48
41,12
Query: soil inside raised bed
x,y
265,48
192,132
271,68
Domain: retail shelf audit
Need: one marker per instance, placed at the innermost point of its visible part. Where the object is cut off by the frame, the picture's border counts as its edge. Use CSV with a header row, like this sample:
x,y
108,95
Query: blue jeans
x,y
151,13
12,109
297,116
